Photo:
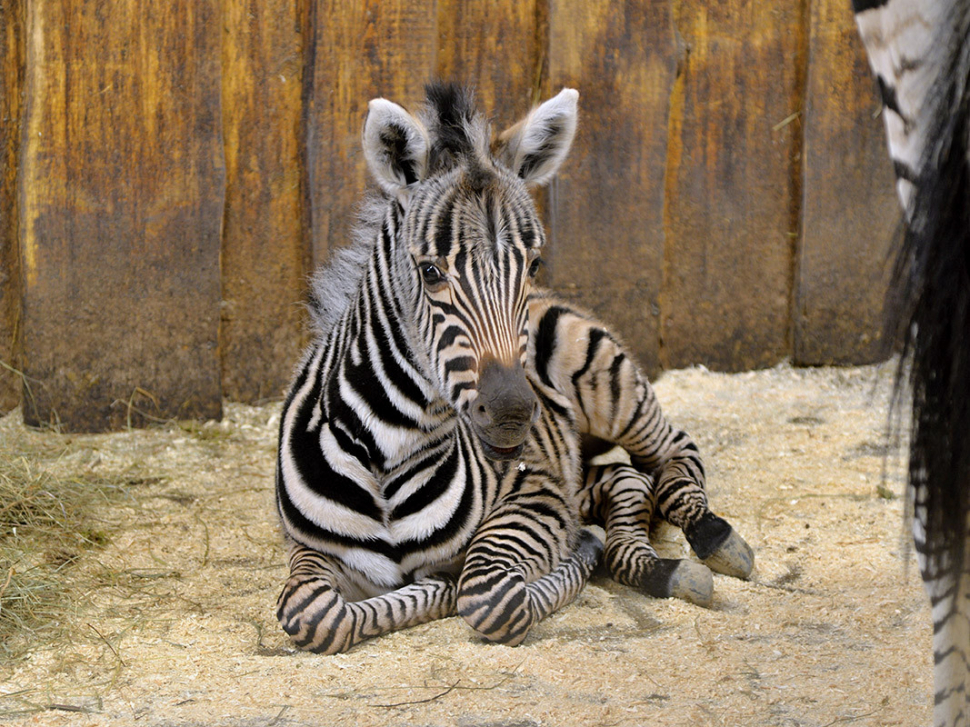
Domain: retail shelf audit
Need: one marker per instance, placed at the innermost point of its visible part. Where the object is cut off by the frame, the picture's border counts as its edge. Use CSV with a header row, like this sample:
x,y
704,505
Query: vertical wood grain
x,y
729,255
264,245
849,208
122,192
11,86
495,47
358,50
606,205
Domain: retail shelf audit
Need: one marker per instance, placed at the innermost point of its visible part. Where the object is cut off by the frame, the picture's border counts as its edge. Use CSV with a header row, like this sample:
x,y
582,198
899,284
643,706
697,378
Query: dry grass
x,y
63,501
47,522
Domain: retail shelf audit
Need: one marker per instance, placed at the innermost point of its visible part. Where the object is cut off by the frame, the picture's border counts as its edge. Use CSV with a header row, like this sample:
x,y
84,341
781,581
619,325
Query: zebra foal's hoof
x,y
692,582
683,579
720,547
590,545
734,557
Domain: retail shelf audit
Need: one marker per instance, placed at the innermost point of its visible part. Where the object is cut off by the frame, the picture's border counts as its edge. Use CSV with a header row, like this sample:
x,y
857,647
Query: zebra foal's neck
x,y
382,386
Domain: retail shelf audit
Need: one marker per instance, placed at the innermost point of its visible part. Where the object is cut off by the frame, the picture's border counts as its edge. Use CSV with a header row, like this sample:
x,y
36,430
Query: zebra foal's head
x,y
469,241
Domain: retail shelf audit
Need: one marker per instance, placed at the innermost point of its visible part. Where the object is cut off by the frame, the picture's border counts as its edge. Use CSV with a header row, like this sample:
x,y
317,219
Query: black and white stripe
x,y
920,53
430,458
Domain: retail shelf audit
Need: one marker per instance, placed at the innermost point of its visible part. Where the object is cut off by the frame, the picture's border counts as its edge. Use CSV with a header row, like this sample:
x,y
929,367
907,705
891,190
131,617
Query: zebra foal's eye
x,y
431,274
534,267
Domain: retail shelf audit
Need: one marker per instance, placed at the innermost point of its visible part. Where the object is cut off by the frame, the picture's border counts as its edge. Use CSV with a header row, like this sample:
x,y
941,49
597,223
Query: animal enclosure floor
x,y
172,620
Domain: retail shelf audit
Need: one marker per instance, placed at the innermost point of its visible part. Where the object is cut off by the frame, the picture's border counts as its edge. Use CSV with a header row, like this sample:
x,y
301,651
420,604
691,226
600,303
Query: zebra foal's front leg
x,y
508,583
313,611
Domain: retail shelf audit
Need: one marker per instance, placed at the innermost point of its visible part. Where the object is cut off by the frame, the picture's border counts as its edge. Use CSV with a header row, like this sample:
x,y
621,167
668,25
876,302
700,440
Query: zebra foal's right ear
x,y
395,147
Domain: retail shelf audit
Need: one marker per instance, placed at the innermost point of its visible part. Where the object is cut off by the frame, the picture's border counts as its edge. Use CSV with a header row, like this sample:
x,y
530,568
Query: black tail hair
x,y
932,307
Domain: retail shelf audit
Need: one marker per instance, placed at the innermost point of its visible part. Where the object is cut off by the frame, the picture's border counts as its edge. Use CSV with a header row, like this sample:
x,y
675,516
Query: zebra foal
x,y
431,456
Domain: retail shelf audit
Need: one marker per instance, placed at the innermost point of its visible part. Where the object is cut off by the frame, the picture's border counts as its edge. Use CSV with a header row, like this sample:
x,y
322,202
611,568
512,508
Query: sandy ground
x,y
833,629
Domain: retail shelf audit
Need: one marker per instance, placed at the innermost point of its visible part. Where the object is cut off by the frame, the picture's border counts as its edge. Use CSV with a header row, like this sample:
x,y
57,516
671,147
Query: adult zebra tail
x,y
920,52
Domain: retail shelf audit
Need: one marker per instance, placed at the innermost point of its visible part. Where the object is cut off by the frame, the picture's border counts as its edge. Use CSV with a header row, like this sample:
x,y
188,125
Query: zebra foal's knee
x,y
313,614
496,605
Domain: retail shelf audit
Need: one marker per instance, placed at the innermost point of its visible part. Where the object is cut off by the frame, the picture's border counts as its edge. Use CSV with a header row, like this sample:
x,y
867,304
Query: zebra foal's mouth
x,y
501,453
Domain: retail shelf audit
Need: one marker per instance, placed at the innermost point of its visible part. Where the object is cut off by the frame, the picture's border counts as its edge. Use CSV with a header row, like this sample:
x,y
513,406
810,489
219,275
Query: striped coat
x,y
919,51
431,458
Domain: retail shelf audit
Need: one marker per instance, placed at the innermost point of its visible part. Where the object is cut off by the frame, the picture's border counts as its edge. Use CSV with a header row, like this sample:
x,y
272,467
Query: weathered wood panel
x,y
11,85
727,283
674,218
358,51
122,188
265,246
849,206
606,205
494,46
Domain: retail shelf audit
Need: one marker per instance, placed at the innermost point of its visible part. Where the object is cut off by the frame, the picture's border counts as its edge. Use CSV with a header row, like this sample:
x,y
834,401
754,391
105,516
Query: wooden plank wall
x,y
727,201
606,207
11,88
849,209
122,187
728,265
264,255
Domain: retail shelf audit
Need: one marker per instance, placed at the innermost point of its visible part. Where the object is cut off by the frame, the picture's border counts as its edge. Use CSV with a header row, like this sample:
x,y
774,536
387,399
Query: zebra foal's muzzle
x,y
505,409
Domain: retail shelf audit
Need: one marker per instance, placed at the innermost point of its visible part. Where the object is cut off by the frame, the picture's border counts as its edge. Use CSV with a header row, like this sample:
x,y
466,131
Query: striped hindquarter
x,y
919,51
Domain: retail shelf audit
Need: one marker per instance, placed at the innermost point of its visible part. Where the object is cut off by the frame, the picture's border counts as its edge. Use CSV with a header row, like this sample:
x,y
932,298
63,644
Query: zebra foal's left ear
x,y
536,146
395,147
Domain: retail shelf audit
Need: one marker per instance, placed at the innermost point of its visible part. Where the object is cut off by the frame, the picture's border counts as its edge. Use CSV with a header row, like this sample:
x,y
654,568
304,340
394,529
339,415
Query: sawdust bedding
x,y
174,622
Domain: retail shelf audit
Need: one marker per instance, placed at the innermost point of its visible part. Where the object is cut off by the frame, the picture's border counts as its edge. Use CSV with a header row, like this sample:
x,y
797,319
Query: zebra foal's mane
x,y
457,132
334,285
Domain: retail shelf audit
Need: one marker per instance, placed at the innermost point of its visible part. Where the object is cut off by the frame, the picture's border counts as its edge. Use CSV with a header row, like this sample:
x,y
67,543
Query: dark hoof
x,y
692,582
590,546
734,557
683,579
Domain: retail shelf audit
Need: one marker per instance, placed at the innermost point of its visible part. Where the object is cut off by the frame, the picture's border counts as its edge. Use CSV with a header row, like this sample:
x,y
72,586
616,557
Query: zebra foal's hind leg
x,y
623,500
615,403
314,612
507,584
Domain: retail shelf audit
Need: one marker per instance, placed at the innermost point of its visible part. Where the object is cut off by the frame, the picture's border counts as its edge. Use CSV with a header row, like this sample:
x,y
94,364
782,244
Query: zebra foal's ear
x,y
536,146
395,147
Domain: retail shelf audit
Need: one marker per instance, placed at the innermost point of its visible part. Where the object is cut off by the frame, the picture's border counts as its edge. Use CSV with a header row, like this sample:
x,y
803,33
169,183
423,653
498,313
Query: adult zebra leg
x,y
623,500
948,588
314,612
506,585
951,632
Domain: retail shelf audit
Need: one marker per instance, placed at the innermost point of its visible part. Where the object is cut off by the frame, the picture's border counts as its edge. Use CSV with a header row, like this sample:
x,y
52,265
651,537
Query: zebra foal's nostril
x,y
480,414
